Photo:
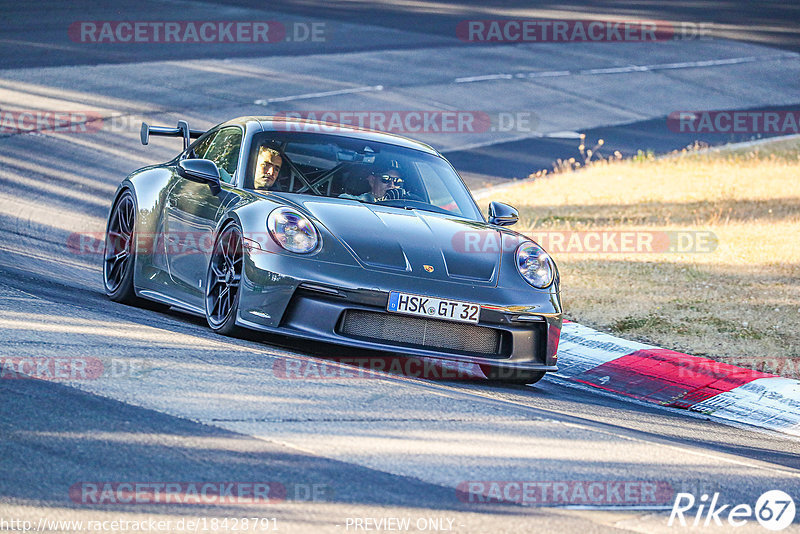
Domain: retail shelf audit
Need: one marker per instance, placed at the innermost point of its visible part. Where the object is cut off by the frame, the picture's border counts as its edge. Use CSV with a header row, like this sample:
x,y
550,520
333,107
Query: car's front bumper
x,y
313,308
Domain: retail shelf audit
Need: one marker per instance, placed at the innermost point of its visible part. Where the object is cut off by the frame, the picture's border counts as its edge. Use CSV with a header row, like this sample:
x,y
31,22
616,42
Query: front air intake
x,y
423,333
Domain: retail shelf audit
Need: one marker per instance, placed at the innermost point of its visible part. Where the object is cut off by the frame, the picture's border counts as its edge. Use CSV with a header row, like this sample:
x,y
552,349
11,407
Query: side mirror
x,y
203,171
502,214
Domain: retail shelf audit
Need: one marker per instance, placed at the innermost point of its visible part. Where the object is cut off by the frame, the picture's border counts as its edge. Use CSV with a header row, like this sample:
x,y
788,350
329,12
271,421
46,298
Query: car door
x,y
192,212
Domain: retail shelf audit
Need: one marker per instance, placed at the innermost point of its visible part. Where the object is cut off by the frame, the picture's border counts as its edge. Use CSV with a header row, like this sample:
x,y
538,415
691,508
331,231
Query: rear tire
x,y
223,281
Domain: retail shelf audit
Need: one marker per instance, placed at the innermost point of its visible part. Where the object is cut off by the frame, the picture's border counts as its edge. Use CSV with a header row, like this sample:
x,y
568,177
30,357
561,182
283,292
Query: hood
x,y
406,241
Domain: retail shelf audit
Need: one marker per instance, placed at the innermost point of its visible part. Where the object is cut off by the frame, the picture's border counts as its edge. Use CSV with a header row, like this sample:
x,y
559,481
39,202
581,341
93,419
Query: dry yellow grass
x,y
739,303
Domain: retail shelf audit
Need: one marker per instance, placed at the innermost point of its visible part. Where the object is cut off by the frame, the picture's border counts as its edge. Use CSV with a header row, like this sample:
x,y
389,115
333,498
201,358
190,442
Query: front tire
x,y
223,281
119,253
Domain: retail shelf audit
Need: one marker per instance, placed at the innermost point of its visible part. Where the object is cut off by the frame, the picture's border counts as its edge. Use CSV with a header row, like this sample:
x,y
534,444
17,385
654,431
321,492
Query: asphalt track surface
x,y
36,38
186,405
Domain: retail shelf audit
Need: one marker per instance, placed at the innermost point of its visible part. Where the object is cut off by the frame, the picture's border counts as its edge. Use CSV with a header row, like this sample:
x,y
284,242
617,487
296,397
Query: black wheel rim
x,y
224,276
119,243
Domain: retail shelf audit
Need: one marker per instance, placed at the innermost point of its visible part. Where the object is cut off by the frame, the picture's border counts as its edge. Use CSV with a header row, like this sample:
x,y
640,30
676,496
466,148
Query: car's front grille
x,y
418,332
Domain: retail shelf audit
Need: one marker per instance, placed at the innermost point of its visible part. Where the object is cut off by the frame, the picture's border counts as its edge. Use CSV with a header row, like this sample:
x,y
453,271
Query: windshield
x,y
357,170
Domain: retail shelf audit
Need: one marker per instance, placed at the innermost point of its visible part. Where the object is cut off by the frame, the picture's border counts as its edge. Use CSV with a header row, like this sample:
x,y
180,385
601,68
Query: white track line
x,y
630,68
484,78
363,89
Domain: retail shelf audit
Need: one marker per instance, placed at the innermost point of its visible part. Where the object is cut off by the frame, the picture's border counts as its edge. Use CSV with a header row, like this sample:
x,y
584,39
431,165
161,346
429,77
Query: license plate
x,y
433,308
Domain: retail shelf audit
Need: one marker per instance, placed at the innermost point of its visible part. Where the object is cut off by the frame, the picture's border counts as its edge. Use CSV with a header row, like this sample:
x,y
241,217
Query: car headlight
x,y
292,230
535,265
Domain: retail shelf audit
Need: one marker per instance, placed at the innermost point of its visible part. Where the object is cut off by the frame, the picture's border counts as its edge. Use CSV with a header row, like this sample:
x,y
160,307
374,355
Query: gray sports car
x,y
336,234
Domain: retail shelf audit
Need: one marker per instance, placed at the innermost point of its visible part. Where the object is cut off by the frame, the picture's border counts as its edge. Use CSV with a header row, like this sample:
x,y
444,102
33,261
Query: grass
x,y
736,300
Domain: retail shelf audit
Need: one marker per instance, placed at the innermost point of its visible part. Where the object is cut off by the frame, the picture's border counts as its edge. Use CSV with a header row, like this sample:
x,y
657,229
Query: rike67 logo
x,y
774,510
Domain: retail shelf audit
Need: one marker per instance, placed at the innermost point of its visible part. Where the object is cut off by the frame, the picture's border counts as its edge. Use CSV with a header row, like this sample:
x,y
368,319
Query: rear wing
x,y
182,130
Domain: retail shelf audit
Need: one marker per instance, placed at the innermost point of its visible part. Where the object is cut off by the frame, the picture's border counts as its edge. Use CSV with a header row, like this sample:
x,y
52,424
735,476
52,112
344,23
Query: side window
x,y
201,147
224,152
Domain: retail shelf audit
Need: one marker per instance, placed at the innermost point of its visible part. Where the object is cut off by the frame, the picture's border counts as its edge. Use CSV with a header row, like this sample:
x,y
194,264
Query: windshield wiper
x,y
409,204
